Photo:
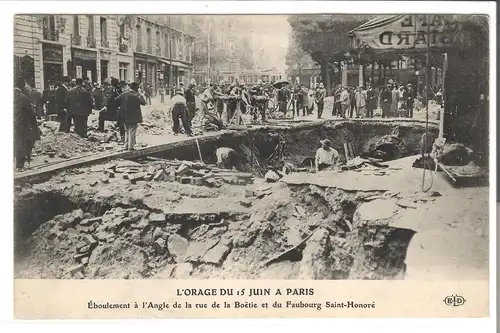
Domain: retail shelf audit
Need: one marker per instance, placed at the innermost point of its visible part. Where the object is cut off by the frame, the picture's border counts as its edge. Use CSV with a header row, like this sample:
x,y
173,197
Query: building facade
x,y
128,47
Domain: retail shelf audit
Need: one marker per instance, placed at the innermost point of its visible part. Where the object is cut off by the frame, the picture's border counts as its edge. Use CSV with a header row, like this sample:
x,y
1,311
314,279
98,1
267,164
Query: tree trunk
x,y
372,72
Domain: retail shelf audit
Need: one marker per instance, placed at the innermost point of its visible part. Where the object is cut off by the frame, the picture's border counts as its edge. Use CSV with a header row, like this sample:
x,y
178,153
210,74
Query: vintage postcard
x,y
313,165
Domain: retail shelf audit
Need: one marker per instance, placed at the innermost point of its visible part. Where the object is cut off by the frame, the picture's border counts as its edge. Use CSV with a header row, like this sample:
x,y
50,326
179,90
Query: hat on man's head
x,y
321,85
179,92
409,84
326,142
133,85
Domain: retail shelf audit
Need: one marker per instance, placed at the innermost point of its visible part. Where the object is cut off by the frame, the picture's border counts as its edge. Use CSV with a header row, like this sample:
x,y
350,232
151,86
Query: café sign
x,y
85,55
52,54
411,32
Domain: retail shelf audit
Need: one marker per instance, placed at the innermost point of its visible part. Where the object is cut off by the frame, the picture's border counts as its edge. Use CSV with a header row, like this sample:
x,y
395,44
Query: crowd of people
x,y
395,100
71,102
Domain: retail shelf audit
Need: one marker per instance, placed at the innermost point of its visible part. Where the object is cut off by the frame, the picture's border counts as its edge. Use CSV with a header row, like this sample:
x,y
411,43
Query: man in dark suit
x,y
49,99
410,99
79,107
61,103
109,112
25,125
36,100
129,103
372,101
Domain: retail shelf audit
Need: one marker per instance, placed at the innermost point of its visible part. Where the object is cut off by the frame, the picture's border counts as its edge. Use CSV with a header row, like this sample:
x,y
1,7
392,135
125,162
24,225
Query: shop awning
x,y
174,63
413,32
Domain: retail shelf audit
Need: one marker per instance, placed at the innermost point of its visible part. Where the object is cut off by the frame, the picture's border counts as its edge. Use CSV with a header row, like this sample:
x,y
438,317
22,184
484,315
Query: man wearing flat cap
x,y
326,156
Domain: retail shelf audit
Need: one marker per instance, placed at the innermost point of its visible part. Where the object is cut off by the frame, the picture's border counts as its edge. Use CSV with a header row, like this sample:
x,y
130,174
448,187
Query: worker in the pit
x,y
326,156
227,158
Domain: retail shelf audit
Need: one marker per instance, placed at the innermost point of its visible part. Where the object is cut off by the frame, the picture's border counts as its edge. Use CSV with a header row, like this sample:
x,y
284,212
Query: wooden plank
x,y
97,158
346,151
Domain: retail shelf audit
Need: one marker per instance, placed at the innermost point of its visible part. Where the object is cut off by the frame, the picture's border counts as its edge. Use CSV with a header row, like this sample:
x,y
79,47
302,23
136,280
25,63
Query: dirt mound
x,y
155,122
63,144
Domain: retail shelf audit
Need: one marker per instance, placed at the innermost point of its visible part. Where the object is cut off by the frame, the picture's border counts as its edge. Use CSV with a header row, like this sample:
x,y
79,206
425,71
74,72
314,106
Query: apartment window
x,y
123,69
167,45
148,32
122,30
174,47
179,48
49,28
158,43
104,32
76,25
90,25
139,38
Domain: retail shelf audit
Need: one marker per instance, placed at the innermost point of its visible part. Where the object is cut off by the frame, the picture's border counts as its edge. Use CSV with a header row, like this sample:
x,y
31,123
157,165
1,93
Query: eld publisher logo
x,y
454,300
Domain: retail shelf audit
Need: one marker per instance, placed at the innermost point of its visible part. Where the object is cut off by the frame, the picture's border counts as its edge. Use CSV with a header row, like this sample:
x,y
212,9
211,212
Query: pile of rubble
x,y
184,172
63,145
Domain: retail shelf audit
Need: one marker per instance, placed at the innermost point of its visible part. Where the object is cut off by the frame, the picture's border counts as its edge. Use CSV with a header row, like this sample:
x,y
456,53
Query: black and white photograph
x,y
291,147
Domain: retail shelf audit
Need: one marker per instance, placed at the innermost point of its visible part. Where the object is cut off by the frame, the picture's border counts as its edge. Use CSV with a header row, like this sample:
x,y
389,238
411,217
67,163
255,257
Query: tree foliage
x,y
324,37
296,58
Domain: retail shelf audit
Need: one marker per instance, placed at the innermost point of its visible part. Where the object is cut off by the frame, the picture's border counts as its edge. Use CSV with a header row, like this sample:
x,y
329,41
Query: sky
x,y
271,34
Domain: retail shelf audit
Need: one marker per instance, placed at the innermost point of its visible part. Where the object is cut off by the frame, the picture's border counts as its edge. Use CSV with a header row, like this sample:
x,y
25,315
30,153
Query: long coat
x,y
79,102
61,100
130,107
26,130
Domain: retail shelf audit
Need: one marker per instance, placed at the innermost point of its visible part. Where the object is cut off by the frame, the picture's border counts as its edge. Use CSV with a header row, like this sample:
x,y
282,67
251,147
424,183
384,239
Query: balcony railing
x,y
51,35
91,43
123,48
76,40
105,43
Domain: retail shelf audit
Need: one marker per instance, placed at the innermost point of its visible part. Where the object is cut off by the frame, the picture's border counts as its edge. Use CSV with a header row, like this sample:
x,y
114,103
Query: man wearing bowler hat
x,y
130,113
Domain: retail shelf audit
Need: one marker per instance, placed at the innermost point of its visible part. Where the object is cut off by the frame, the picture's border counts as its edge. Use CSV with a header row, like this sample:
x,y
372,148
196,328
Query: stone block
x,y
182,170
157,218
177,247
217,254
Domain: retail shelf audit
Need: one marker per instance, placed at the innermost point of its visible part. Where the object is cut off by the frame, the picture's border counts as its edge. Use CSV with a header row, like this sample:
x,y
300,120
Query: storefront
x,y
52,57
85,63
145,70
105,57
182,72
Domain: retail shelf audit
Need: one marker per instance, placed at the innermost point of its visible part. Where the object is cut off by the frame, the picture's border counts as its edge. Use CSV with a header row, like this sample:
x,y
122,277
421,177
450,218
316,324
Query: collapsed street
x,y
308,147
181,218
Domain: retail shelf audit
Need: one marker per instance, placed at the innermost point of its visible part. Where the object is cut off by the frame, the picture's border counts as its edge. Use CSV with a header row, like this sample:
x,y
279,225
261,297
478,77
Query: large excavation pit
x,y
306,226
